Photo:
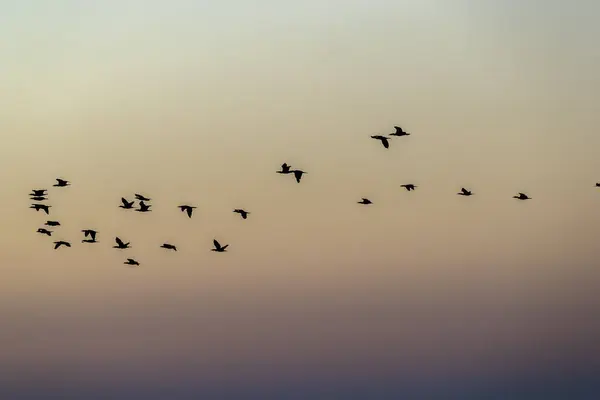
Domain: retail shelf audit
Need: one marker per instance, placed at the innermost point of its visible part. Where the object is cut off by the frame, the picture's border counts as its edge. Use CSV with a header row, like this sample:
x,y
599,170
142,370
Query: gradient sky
x,y
421,294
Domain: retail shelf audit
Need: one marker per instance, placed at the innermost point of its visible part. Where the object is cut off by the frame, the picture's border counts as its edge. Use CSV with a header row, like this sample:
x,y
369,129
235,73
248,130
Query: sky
x,y
421,295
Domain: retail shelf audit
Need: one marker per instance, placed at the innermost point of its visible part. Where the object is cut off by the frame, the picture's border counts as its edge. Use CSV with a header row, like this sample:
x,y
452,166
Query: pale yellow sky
x,y
199,104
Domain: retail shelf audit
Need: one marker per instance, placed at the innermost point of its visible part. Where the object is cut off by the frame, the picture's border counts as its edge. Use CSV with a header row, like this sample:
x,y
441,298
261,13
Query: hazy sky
x,y
318,297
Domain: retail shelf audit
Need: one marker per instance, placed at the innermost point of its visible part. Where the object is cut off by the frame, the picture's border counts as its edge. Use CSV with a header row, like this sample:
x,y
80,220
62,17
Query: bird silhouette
x,y
399,132
365,201
465,192
120,244
52,223
89,241
39,207
598,184
285,169
131,261
45,231
243,213
142,198
409,186
188,209
522,196
126,204
218,247
38,198
90,232
61,243
61,183
38,192
384,140
168,246
298,174
144,207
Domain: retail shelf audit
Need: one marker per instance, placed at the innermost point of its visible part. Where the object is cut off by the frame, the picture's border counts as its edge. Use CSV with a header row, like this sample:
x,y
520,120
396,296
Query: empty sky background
x,y
199,102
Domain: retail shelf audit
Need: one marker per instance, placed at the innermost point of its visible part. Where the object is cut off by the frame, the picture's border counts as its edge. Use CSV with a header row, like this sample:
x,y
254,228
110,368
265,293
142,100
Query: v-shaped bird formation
x,y
144,205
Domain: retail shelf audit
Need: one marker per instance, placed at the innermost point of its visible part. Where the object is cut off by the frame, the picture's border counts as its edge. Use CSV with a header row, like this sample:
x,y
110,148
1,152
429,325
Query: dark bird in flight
x,y
218,247
89,241
120,244
365,201
142,198
399,132
61,243
126,204
465,192
39,207
52,223
44,231
168,246
285,169
188,209
298,174
597,184
38,192
522,196
243,213
61,183
39,198
384,141
409,186
144,207
131,261
91,233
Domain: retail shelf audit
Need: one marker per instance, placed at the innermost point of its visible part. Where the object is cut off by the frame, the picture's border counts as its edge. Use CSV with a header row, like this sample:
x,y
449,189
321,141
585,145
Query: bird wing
x,y
56,245
224,247
119,241
398,129
465,191
385,142
522,194
93,235
217,244
189,211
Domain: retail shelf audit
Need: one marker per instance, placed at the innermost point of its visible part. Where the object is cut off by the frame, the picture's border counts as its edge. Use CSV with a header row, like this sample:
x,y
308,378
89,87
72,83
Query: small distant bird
x,y
399,132
89,241
144,207
218,247
61,183
142,198
45,231
126,204
188,209
384,141
52,223
409,186
298,174
131,261
168,246
598,184
465,192
38,192
285,169
61,243
38,198
39,207
243,213
365,201
91,233
522,196
120,244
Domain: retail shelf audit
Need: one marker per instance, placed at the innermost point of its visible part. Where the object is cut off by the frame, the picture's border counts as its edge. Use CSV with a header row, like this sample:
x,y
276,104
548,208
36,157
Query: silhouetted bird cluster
x,y
40,195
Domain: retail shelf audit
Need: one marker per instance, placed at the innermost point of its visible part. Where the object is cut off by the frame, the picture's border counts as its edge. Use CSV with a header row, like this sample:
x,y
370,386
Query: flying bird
x,y
38,192
188,209
168,246
243,213
142,198
144,207
126,204
365,201
39,207
298,174
131,261
52,223
120,244
91,233
464,192
384,141
89,241
61,183
38,198
522,196
218,247
44,231
598,184
399,132
61,243
285,169
409,186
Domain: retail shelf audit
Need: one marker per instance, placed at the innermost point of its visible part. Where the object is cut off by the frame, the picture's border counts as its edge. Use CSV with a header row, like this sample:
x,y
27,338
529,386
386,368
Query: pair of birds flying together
x,y
286,169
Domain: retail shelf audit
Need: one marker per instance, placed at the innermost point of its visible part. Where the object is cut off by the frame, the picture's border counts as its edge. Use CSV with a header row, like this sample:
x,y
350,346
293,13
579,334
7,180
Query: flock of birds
x,y
40,195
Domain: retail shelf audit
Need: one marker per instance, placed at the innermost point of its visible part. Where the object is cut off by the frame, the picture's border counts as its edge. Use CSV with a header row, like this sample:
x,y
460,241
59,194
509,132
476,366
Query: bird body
x,y
218,248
